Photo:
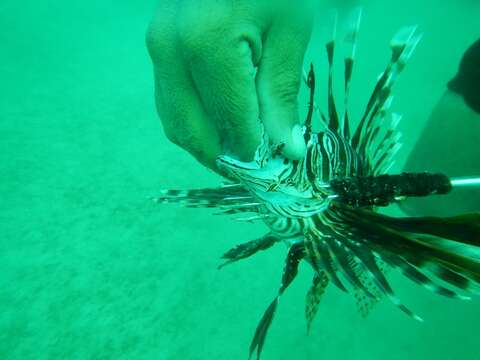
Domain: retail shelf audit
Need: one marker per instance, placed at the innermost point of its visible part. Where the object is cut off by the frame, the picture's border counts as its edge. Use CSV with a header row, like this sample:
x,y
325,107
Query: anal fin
x,y
314,297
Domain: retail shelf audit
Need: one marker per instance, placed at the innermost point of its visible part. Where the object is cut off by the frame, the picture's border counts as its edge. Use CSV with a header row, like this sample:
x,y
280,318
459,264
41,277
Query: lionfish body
x,y
347,245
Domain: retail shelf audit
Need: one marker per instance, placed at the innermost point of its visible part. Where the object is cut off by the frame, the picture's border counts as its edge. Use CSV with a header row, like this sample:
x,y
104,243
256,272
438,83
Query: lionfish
x,y
323,207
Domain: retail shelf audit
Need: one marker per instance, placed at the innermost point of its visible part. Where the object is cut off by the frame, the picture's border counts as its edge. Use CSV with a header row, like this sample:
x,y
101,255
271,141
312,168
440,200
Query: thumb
x,y
278,83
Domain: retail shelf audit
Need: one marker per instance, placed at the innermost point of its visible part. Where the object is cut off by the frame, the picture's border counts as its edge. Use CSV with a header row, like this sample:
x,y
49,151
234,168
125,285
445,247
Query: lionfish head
x,y
277,182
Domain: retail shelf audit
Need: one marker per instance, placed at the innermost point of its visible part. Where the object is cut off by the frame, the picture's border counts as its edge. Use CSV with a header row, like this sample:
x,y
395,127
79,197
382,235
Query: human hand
x,y
224,67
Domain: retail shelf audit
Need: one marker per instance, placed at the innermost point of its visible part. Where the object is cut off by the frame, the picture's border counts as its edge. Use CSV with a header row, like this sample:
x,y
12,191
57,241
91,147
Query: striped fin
x,y
351,41
454,279
314,296
226,210
386,149
372,101
400,41
207,197
360,245
242,207
376,119
463,229
385,236
448,250
262,329
378,124
310,254
320,256
386,160
421,279
248,249
418,273
253,218
403,45
333,123
363,301
346,263
295,255
381,282
311,104
404,39
370,267
316,109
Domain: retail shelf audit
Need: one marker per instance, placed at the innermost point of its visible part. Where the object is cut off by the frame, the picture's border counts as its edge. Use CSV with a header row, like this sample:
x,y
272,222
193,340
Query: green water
x,y
93,270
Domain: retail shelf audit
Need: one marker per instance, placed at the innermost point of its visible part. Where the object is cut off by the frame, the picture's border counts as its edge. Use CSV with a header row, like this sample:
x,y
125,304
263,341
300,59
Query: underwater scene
x,y
205,179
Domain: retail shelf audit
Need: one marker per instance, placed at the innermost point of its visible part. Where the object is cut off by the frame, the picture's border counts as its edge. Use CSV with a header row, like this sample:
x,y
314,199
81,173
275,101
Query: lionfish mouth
x,y
324,206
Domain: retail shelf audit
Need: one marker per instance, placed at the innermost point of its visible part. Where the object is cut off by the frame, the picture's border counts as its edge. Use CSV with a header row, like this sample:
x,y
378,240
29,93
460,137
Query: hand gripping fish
x,y
324,206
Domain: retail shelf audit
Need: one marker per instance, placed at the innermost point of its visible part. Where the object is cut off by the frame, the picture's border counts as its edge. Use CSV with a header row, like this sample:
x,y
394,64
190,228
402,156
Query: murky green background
x,y
90,269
